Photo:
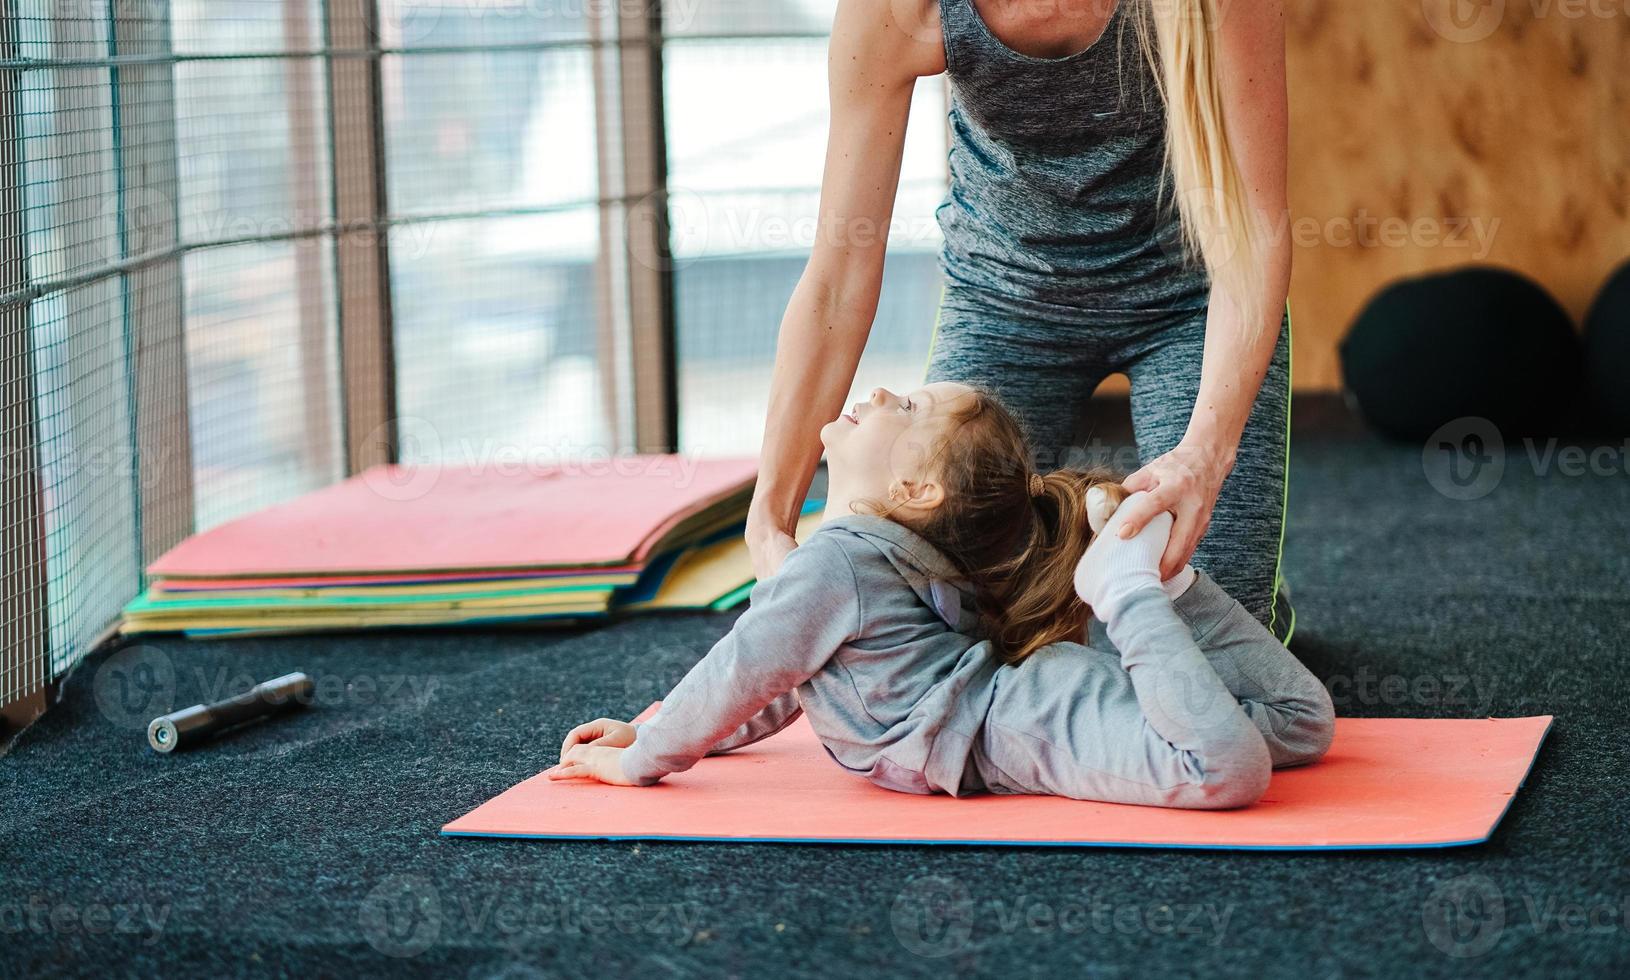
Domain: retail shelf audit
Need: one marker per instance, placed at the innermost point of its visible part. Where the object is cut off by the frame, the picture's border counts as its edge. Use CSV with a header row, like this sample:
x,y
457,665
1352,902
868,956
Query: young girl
x,y
939,628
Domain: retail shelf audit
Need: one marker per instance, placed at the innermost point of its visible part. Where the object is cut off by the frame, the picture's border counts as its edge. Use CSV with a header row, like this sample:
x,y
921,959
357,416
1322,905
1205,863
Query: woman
x,y
1115,169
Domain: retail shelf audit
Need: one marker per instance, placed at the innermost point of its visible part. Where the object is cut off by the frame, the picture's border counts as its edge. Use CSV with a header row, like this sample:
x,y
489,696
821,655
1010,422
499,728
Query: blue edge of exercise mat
x,y
1039,843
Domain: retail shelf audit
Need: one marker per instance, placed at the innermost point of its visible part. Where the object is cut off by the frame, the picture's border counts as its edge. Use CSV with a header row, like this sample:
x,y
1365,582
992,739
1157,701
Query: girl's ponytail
x,y
1033,593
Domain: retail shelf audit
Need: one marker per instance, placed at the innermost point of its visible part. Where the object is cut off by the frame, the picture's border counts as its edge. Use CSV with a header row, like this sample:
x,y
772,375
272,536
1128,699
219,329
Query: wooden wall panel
x,y
1523,133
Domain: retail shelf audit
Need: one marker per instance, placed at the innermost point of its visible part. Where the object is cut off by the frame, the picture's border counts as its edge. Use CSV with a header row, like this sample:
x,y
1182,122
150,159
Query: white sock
x,y
1100,510
1179,583
1113,569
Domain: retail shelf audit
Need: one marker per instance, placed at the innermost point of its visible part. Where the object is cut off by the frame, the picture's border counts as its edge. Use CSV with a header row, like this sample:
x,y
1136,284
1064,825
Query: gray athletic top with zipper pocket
x,y
1057,173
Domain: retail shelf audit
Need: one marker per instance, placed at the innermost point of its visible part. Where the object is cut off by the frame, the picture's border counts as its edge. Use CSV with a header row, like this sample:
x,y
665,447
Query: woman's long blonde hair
x,y
1179,40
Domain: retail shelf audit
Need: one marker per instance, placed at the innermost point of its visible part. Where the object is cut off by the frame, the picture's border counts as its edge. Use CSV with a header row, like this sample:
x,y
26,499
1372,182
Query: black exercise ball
x,y
1475,342
1607,352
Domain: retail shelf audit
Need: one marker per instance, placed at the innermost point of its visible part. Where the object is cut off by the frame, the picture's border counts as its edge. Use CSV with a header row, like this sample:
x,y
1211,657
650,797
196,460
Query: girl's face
x,y
889,441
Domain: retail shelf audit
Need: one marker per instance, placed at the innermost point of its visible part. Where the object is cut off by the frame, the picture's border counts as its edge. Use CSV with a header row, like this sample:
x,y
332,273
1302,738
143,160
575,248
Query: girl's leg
x,y
1154,725
1045,377
1288,705
1242,548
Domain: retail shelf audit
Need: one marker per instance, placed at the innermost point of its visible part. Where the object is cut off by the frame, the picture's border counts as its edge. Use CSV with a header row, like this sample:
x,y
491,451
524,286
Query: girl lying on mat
x,y
939,629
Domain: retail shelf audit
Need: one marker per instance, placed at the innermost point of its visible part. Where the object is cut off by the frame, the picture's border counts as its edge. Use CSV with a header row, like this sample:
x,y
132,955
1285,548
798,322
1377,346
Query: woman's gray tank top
x,y
1056,170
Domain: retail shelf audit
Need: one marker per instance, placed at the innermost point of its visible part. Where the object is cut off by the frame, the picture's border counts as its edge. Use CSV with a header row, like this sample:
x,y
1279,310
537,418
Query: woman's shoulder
x,y
901,37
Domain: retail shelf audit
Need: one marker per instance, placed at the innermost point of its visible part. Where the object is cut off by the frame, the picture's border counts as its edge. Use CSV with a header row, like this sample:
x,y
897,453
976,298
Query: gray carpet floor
x,y
310,846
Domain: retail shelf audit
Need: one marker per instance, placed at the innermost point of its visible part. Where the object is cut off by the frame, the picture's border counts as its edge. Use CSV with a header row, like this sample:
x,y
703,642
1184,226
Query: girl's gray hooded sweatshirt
x,y
870,629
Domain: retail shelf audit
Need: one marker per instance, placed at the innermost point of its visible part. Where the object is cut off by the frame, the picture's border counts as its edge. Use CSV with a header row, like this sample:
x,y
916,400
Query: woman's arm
x,y
1187,480
873,63
794,624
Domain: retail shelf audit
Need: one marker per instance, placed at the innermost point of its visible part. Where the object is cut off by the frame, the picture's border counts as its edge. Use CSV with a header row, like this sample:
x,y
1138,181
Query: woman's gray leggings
x,y
1045,365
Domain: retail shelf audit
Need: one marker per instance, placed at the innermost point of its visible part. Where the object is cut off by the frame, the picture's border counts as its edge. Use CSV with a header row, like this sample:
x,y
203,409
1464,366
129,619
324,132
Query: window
x,y
747,123
214,207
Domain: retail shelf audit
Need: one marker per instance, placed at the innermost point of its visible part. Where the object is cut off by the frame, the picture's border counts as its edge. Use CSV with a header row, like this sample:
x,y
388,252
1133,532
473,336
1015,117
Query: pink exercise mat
x,y
1386,783
392,520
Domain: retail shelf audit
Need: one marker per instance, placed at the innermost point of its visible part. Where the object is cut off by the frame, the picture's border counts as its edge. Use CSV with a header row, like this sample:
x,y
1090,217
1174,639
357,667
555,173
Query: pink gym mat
x,y
1386,783
405,578
392,519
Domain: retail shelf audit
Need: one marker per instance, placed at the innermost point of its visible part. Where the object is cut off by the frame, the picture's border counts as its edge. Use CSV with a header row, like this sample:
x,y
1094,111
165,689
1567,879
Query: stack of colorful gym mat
x,y
435,546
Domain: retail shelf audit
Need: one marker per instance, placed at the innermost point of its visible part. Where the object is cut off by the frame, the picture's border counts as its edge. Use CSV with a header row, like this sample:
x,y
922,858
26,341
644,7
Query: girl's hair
x,y
1018,552
1179,40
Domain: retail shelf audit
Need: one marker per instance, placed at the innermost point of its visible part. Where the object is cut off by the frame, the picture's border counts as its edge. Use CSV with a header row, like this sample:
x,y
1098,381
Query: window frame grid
x,y
634,275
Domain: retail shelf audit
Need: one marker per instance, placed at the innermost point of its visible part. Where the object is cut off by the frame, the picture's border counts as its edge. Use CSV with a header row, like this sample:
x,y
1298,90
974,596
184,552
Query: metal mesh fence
x,y
494,243
70,553
493,124
260,367
167,301
248,246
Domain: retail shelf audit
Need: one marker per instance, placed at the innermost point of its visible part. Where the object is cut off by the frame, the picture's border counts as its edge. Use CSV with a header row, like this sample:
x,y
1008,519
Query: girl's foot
x,y
1114,569
1099,511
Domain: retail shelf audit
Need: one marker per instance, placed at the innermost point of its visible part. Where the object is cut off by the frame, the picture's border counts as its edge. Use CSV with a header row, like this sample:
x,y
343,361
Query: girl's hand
x,y
1186,482
601,731
601,762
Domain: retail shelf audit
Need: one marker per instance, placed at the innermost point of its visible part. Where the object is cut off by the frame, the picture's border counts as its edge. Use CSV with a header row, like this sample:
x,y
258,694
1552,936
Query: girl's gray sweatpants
x,y
1186,703
1044,362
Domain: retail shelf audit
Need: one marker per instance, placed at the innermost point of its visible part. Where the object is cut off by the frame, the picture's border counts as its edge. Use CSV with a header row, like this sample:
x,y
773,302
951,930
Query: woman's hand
x,y
1186,482
601,731
768,546
601,762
